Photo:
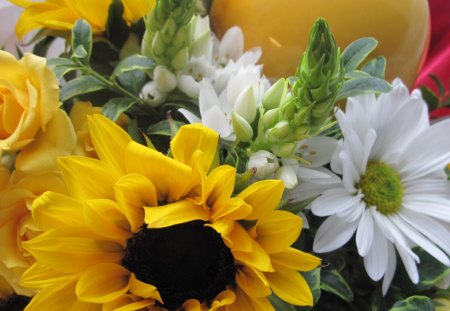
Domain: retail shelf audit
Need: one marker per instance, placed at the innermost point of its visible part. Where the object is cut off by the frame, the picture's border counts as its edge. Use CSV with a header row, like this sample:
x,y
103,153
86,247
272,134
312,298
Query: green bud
x,y
279,131
180,59
287,109
270,118
275,95
158,45
286,150
169,29
242,128
245,104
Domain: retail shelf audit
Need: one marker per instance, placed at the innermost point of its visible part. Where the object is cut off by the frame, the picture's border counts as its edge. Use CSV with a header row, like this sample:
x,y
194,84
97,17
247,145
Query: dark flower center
x,y
14,303
185,261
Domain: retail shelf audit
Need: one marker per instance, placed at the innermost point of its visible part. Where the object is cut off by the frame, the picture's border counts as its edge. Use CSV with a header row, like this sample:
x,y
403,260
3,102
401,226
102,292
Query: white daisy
x,y
394,193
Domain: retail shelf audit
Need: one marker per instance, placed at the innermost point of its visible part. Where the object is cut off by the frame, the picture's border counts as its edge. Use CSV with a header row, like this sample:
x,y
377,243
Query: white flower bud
x,y
164,79
245,104
265,162
152,95
288,175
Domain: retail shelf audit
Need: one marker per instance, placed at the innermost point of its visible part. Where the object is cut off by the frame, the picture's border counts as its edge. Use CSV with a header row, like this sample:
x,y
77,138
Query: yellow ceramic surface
x,y
281,28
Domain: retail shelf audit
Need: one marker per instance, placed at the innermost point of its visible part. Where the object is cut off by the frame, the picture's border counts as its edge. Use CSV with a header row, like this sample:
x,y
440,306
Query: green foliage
x,y
82,41
357,52
80,85
116,106
414,303
333,282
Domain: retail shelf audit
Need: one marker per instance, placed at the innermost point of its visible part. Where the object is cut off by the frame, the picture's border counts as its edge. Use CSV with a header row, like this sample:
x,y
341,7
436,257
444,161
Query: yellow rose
x,y
29,98
62,14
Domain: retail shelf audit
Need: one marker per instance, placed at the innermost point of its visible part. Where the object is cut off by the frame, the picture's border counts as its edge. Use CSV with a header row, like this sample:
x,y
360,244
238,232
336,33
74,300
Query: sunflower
x,y
143,231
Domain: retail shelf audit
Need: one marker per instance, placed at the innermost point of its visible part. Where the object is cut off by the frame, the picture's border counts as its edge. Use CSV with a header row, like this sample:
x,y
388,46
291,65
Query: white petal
x,y
390,271
207,97
354,212
429,205
376,261
232,44
429,152
365,234
245,104
333,201
369,141
435,187
420,240
318,150
410,263
350,175
215,119
188,85
288,176
192,118
432,229
332,234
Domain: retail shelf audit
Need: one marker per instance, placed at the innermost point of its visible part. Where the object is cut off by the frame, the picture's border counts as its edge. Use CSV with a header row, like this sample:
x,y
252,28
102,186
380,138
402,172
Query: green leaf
x,y
133,81
362,86
41,47
163,128
356,74
357,52
116,106
79,53
133,131
82,36
414,303
61,66
430,98
376,67
279,304
333,282
439,84
313,279
133,62
80,85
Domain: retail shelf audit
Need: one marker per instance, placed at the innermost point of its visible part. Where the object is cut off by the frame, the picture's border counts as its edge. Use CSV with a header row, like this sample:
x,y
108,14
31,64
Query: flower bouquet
x,y
147,164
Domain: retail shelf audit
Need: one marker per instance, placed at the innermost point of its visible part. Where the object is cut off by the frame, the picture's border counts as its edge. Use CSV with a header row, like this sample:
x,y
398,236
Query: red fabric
x,y
438,59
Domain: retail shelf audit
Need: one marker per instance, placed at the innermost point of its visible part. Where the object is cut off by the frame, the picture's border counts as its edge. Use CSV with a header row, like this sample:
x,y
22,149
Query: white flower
x,y
265,163
197,69
394,193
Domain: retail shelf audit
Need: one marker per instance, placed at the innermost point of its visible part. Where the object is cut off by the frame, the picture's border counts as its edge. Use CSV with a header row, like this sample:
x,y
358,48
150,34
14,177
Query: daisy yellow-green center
x,y
382,187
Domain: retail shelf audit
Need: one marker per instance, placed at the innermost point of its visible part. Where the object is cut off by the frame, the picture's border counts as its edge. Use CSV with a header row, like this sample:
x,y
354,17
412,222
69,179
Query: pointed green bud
x,y
158,45
180,59
270,118
287,109
275,95
169,30
242,128
279,131
286,150
245,104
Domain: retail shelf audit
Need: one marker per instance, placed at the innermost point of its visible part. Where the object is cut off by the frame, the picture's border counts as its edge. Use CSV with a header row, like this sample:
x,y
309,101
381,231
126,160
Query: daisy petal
x,y
390,271
375,261
429,205
365,234
333,233
333,201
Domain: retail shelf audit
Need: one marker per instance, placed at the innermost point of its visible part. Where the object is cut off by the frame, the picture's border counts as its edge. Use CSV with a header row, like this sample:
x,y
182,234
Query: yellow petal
x,y
52,210
133,192
174,213
278,230
241,240
110,142
256,258
72,249
232,208
241,303
106,219
87,178
102,283
170,178
143,290
57,140
290,286
40,276
128,303
223,299
193,137
253,282
57,297
220,184
192,305
295,259
224,227
263,196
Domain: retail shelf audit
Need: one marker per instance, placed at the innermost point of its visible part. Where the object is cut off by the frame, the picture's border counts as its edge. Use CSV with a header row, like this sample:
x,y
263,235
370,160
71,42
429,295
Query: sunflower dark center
x,y
184,261
14,303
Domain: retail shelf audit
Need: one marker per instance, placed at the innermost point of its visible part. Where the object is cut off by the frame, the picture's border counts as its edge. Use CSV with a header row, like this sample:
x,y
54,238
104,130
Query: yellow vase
x,y
281,28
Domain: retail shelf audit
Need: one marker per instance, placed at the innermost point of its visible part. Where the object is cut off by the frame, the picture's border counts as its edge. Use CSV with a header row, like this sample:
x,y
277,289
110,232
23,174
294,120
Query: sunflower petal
x,y
72,249
102,283
87,178
263,196
133,192
256,258
193,137
295,259
278,231
110,142
224,298
40,276
231,208
143,290
253,282
220,184
170,177
52,210
174,213
290,286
